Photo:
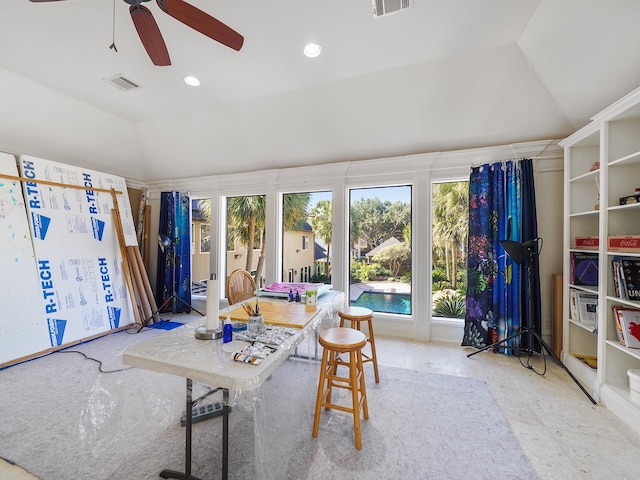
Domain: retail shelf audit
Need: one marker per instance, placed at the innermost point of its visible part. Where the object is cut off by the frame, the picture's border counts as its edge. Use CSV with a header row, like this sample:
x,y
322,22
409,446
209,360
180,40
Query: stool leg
x,y
363,389
374,357
316,418
353,375
332,372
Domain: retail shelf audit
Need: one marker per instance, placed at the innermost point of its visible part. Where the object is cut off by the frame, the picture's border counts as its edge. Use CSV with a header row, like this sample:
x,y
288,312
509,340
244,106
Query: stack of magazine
x,y
584,309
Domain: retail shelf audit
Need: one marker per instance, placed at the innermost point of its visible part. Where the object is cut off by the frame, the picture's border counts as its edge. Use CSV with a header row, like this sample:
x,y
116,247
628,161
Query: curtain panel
x,y
501,207
173,280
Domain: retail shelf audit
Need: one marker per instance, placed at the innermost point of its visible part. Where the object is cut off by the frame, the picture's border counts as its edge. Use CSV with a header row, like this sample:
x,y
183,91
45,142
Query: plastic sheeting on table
x,y
178,352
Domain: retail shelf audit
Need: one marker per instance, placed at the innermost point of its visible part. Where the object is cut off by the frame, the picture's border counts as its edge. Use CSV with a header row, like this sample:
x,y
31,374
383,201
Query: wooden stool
x,y
336,341
355,315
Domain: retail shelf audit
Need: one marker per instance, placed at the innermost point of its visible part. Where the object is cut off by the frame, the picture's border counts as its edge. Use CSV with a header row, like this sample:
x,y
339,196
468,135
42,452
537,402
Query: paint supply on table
x,y
227,331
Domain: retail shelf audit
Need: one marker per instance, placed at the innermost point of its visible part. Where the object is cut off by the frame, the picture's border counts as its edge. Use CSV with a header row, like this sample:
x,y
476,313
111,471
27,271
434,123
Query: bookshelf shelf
x,y
633,352
582,325
592,209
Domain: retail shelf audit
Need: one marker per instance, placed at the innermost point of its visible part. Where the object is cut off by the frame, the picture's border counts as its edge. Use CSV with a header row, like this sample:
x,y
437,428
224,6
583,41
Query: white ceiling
x,y
442,75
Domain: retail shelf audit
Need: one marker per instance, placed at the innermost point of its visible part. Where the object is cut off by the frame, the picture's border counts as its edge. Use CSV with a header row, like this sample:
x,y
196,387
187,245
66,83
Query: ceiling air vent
x,y
387,7
122,82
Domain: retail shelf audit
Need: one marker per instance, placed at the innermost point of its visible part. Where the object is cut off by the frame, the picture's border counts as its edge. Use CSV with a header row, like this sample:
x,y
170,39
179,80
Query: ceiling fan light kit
x,y
184,12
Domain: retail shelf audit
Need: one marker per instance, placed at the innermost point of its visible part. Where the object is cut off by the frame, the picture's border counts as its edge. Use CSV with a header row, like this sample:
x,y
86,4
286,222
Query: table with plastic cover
x,y
179,352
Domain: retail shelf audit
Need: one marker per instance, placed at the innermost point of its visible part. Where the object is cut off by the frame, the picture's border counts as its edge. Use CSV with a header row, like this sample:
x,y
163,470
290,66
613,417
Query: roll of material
x,y
213,322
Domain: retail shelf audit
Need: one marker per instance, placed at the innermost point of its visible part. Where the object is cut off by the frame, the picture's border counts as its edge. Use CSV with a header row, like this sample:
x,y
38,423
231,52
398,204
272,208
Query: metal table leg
x,y
187,442
190,403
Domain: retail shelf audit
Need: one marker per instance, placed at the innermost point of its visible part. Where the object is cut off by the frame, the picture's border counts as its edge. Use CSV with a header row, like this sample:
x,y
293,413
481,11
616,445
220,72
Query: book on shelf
x,y
584,269
628,326
618,278
590,360
587,309
573,305
618,322
631,278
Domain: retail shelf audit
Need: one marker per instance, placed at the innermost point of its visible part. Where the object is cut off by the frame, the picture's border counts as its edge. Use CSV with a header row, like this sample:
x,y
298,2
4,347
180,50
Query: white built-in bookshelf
x,y
602,164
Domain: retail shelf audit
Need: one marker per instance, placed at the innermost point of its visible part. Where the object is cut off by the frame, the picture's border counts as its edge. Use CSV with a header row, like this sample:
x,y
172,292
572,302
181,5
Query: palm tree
x,y
244,215
246,219
450,222
320,218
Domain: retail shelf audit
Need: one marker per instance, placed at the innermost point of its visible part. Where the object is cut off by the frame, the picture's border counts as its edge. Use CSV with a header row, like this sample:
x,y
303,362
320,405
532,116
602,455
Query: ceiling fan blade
x,y
150,35
202,22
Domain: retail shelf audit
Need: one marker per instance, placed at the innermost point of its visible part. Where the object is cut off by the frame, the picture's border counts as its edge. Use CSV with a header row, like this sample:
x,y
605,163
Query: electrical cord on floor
x,y
95,360
531,367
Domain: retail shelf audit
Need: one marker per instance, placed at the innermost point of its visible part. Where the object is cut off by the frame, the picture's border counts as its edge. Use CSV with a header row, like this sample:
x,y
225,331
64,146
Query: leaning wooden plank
x,y
126,269
147,311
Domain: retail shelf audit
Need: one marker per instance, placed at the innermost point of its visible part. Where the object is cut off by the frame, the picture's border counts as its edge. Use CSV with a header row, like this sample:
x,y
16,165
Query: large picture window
x,y
306,245
450,227
245,233
380,248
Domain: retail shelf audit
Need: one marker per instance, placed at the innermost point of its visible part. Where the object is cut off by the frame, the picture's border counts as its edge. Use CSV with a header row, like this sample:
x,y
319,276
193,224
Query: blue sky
x,y
392,194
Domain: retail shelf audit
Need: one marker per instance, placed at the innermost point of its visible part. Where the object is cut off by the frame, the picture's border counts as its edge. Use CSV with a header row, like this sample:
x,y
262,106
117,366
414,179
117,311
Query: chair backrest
x,y
240,286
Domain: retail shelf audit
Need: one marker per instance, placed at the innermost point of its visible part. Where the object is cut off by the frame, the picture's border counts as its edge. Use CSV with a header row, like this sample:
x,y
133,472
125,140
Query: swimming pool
x,y
385,302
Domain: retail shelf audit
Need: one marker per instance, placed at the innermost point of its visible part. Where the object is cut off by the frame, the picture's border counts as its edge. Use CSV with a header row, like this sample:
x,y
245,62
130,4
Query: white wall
x,y
419,171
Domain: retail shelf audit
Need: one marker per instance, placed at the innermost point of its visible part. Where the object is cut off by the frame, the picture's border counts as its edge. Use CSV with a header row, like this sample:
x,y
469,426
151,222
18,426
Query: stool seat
x,y
356,315
336,341
342,339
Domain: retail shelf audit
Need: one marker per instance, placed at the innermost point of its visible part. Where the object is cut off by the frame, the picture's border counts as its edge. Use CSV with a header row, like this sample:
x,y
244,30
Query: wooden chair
x,y
240,286
336,341
356,315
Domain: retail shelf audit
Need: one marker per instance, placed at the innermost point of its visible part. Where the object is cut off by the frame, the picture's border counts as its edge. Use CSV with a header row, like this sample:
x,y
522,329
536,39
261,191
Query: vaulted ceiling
x,y
440,75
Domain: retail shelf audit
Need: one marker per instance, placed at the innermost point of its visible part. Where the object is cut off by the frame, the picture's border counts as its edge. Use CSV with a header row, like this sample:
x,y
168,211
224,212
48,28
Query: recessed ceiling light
x,y
191,80
312,50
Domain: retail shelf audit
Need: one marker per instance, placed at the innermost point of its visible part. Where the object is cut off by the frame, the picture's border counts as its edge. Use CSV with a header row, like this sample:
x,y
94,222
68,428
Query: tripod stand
x,y
517,253
164,242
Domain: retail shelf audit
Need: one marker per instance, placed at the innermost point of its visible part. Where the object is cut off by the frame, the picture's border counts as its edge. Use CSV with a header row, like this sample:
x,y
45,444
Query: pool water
x,y
385,302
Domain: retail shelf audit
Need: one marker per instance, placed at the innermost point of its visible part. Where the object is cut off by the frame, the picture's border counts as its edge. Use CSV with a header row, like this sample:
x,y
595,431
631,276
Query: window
x,y
205,238
450,227
380,248
306,237
200,242
245,234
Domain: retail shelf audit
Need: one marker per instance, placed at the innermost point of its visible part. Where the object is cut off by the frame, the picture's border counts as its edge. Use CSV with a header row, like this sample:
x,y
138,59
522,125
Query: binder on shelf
x,y
584,269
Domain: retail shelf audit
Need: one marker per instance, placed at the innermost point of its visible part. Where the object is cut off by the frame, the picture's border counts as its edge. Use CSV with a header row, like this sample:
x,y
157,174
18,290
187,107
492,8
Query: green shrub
x,y
451,306
443,285
438,275
359,271
376,270
319,278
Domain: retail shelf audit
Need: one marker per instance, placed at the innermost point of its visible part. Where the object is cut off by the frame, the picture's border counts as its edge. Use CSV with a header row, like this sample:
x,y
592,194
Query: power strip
x,y
204,412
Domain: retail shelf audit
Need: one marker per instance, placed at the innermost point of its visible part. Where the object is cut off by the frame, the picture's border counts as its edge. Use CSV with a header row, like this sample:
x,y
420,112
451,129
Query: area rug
x,y
64,419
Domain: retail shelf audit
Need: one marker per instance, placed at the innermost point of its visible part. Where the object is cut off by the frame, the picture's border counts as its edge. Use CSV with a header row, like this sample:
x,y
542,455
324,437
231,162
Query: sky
x,y
393,194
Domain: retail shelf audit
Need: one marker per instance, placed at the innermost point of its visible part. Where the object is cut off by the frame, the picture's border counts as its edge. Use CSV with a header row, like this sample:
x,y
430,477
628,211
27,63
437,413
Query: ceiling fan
x,y
182,11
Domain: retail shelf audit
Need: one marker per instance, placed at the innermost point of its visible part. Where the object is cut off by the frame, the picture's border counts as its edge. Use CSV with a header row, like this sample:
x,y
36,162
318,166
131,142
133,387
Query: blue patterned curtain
x,y
497,209
173,280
